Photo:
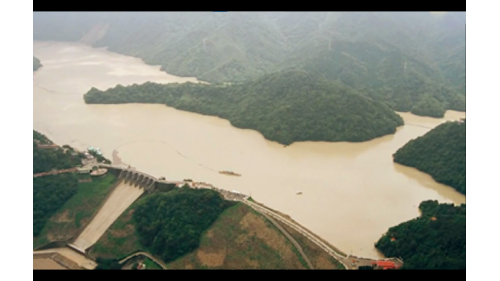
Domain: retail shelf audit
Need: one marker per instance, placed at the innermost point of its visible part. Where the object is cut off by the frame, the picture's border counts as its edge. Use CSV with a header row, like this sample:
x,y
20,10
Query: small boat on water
x,y
229,173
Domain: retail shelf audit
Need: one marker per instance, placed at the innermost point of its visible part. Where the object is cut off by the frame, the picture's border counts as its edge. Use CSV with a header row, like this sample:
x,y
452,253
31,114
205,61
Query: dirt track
x,y
121,198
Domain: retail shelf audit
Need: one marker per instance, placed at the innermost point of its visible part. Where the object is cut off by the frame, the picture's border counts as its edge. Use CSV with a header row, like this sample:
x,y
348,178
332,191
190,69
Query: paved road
x,y
158,262
297,245
301,230
54,172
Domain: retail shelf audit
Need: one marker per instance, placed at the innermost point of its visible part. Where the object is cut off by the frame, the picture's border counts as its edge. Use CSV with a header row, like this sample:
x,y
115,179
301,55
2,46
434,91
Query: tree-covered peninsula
x,y
285,107
440,153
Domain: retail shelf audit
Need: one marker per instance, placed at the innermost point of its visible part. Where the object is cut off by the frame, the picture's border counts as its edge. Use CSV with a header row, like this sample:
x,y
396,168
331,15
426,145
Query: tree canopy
x,y
286,107
49,194
435,240
36,64
47,159
441,153
170,224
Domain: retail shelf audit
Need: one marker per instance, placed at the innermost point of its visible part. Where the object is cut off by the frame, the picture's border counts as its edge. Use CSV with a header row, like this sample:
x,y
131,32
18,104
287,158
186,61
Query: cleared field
x,y
46,264
76,213
121,198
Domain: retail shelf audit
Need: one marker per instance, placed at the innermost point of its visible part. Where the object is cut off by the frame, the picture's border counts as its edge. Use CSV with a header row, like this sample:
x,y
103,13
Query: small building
x,y
99,172
95,150
385,265
84,170
141,266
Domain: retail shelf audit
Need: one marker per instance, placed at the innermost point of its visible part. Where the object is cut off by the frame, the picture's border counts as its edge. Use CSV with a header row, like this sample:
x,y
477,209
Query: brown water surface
x,y
352,192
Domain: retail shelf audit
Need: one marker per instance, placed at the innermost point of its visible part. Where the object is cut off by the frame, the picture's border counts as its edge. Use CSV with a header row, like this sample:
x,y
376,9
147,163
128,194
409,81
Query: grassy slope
x,y
318,257
151,264
75,213
240,238
121,238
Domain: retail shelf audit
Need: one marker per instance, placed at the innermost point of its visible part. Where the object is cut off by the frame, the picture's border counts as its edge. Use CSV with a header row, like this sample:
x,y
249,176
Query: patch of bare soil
x,y
212,259
252,263
258,227
118,233
188,266
46,264
62,217
241,239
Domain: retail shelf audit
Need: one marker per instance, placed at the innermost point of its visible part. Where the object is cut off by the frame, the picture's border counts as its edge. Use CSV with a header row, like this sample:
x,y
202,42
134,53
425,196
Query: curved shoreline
x,y
358,179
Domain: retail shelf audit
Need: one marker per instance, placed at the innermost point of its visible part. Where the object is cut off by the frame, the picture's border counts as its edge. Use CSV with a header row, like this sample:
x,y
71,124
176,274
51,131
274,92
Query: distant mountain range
x,y
412,61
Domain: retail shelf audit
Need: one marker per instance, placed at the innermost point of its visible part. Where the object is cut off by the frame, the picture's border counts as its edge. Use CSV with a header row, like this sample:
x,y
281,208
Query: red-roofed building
x,y
384,265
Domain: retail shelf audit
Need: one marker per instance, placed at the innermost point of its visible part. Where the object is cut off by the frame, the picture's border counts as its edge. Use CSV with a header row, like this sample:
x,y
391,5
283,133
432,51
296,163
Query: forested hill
x,y
441,153
285,107
36,64
51,192
170,225
47,159
413,61
435,240
399,80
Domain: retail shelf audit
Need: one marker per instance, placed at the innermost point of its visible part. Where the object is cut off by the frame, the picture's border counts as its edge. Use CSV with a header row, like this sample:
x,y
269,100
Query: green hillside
x,y
435,240
441,153
412,61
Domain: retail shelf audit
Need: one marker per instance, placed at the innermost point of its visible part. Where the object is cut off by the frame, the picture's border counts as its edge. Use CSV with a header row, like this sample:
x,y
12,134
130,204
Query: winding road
x,y
155,260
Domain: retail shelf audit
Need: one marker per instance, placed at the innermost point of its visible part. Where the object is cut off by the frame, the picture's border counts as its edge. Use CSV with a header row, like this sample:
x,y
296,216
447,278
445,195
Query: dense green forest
x,y
400,81
435,240
41,138
285,107
49,194
441,153
170,224
47,159
412,61
36,64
